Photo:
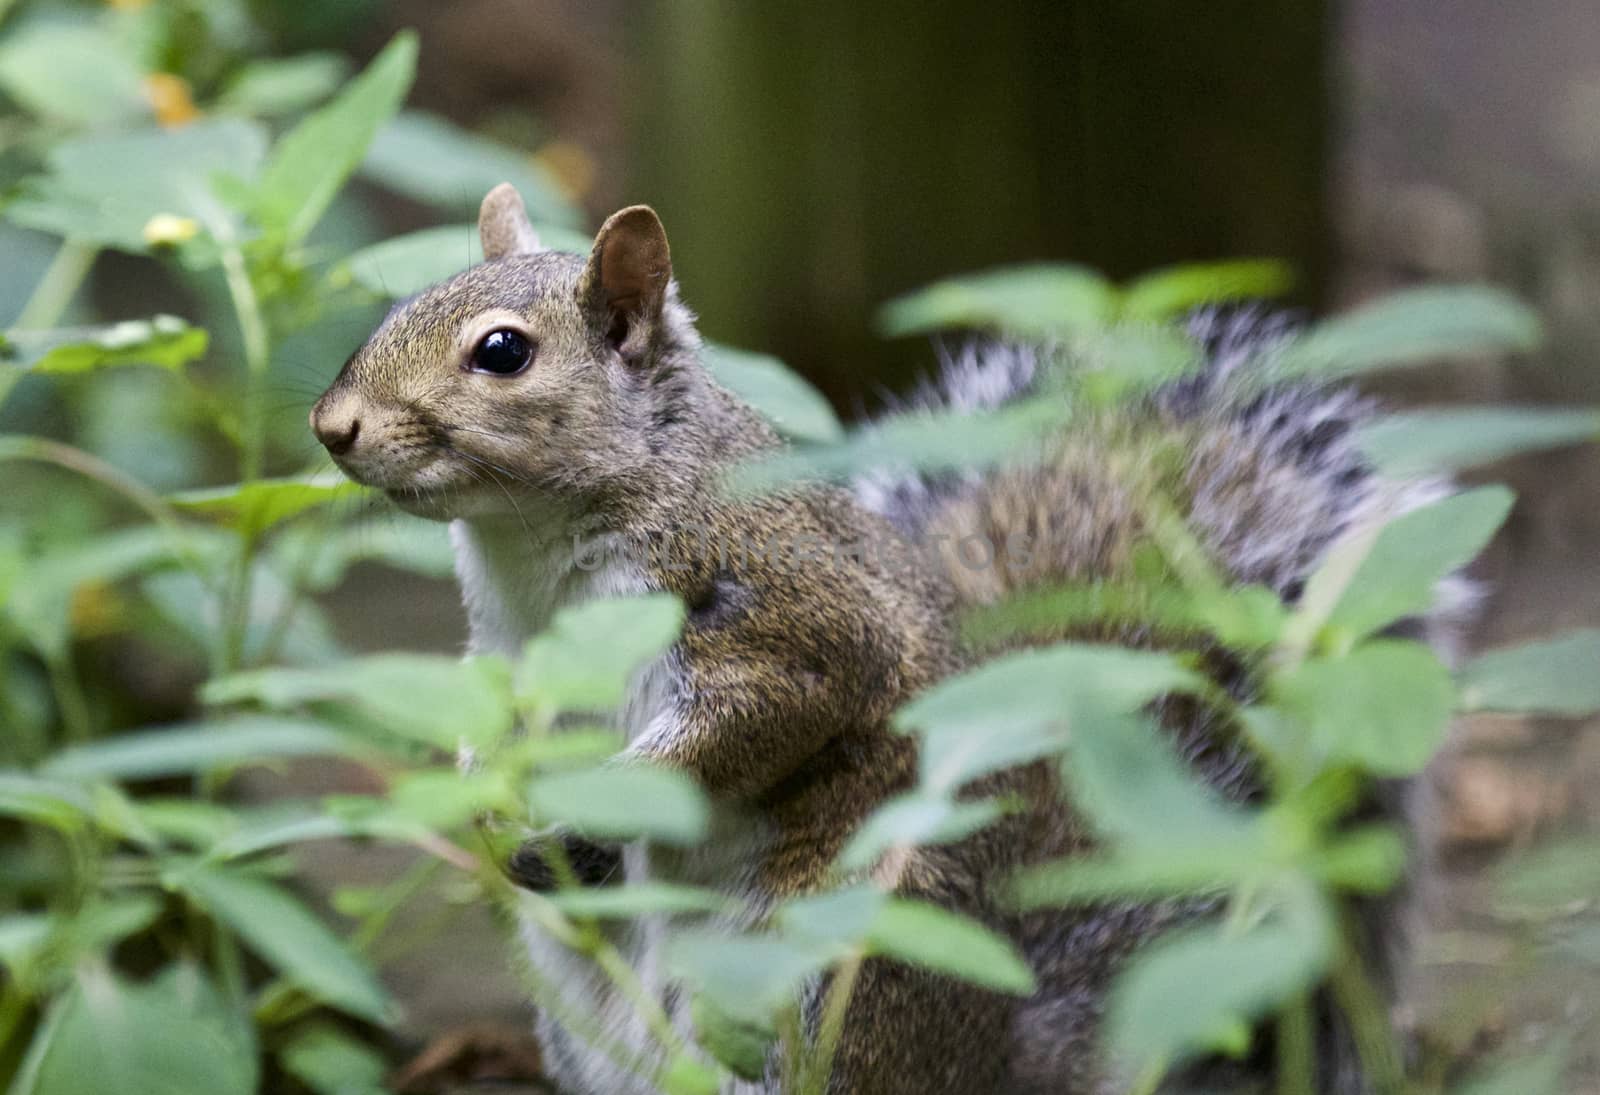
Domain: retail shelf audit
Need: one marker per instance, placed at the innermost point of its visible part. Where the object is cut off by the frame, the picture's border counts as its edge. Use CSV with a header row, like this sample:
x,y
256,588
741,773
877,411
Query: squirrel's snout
x,y
337,431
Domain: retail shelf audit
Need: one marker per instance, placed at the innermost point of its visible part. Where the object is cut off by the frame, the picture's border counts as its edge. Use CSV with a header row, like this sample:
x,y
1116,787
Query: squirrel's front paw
x,y
593,864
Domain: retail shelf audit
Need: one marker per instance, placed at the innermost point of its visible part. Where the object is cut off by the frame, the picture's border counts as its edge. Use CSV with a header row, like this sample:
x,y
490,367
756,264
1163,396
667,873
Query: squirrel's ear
x,y
503,224
626,279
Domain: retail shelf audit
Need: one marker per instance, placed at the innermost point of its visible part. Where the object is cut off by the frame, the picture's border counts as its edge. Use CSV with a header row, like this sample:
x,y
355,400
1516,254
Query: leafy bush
x,y
151,935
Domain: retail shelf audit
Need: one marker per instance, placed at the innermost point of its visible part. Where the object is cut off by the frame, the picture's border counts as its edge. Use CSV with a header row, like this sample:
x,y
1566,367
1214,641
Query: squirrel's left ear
x,y
503,224
625,283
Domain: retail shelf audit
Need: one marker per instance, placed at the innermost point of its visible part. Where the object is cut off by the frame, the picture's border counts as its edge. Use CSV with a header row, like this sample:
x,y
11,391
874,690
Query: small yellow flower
x,y
169,96
169,229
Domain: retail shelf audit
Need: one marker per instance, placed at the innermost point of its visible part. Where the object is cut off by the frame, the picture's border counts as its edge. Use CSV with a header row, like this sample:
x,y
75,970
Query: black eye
x,y
503,352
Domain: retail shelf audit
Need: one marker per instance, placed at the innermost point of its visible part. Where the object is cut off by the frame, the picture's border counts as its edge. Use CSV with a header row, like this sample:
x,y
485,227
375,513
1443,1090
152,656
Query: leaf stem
x,y
1296,1051
830,1027
61,281
257,356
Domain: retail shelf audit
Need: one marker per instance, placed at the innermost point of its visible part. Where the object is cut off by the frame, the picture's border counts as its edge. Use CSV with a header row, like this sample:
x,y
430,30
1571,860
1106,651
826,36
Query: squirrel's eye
x,y
503,352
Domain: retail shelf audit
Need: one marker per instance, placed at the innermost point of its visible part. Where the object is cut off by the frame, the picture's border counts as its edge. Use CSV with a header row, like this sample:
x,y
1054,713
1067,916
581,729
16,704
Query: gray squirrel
x,y
542,399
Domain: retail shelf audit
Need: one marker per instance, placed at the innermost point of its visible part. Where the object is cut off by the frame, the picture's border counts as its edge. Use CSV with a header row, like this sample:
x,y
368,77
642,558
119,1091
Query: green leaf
x,y
1129,781
283,85
196,747
637,899
1385,706
1415,443
434,699
107,189
311,162
1412,553
281,929
197,611
164,341
839,917
1169,293
936,939
739,1044
408,264
1194,990
1141,873
432,160
1409,328
623,801
169,1034
585,658
753,976
402,542
1539,1073
1019,707
1559,676
912,820
797,409
252,508
77,74
52,802
1036,301
330,1062
1112,365
1558,874
922,441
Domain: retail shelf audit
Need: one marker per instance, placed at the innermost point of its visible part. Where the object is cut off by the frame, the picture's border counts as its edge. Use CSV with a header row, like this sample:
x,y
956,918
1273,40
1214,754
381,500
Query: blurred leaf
x,y
1538,1073
197,611
430,698
281,929
117,1038
445,798
22,937
1409,328
1412,553
408,264
1385,706
1019,707
52,802
797,409
585,658
434,161
1035,301
107,189
283,85
1559,676
911,820
1130,358
737,1043
1559,873
41,603
623,801
192,822
1169,293
79,75
1415,443
1195,989
252,508
1145,872
195,747
331,1062
752,976
844,917
921,441
164,341
637,899
311,162
323,556
1132,786
936,939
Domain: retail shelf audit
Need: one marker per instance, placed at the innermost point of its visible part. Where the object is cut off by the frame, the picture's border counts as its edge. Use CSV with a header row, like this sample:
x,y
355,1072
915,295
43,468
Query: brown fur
x,y
789,670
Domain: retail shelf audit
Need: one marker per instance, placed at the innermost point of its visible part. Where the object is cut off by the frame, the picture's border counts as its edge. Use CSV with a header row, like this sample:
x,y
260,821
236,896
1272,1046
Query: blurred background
x,y
811,160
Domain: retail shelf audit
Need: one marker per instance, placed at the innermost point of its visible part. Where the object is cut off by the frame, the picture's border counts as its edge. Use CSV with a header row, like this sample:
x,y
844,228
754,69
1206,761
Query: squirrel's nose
x,y
336,432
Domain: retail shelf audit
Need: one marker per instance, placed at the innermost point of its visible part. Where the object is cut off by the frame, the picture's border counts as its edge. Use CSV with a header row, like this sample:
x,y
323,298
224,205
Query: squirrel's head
x,y
533,373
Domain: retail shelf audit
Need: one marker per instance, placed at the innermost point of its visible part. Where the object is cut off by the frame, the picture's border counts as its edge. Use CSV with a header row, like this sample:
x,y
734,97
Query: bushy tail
x,y
1267,476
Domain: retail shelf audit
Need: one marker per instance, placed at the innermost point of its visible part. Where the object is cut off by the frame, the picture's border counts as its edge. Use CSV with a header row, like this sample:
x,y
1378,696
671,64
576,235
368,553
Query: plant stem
x,y
60,283
1296,1052
1370,1026
257,356
70,702
830,1027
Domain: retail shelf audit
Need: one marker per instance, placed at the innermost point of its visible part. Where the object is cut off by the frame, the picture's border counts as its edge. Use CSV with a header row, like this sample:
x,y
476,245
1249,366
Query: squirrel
x,y
542,400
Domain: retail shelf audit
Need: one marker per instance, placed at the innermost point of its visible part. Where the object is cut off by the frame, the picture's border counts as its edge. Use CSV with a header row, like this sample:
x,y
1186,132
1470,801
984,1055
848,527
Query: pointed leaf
x,y
1030,301
1559,676
933,938
796,408
623,801
1419,442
